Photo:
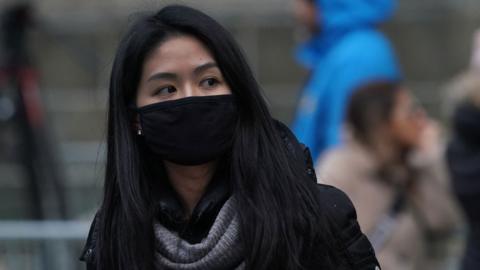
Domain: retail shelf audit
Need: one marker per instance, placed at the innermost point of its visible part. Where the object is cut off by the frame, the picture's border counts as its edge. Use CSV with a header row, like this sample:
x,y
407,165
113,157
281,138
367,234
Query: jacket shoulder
x,y
353,245
299,152
88,253
370,42
373,54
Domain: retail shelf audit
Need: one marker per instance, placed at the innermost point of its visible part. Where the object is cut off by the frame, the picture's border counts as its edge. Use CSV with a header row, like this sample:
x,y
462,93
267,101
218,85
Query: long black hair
x,y
370,107
279,210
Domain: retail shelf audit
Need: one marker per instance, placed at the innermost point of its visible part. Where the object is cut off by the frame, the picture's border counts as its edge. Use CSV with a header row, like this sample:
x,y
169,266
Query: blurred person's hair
x,y
278,206
369,107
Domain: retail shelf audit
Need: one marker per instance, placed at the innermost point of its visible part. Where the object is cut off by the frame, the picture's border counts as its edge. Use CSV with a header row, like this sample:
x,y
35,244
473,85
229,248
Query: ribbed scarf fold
x,y
221,249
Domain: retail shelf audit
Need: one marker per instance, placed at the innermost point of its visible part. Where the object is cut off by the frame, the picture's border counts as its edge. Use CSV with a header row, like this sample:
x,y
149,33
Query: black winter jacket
x,y
353,247
463,156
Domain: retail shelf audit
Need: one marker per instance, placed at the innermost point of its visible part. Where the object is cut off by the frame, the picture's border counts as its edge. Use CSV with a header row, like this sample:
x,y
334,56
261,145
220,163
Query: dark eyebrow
x,y
165,75
173,76
204,67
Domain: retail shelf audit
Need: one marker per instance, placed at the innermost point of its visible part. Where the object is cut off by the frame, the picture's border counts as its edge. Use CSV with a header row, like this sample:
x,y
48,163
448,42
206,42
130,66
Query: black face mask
x,y
189,131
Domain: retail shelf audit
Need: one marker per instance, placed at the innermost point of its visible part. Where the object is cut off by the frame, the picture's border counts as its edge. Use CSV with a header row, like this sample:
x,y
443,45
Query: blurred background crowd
x,y
385,94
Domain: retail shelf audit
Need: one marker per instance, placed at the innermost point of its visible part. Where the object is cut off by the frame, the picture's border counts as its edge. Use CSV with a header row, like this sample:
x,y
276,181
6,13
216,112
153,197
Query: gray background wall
x,y
74,43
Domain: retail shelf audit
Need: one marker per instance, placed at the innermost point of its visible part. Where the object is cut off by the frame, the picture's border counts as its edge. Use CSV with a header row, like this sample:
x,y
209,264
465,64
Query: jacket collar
x,y
170,212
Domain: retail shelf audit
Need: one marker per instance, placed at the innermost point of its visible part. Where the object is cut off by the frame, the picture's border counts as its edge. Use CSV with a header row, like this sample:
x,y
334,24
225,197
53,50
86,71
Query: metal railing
x,y
42,245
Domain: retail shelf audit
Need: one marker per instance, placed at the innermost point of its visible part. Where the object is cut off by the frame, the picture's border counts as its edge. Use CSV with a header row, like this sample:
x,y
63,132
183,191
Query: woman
x,y
464,164
344,36
198,174
391,169
463,153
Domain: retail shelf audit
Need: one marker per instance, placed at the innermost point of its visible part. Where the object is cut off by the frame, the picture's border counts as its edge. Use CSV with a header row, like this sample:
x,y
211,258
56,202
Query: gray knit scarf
x,y
220,250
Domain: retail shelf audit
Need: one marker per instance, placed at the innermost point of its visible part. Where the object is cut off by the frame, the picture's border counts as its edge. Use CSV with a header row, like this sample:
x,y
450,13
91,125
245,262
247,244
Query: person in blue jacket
x,y
344,52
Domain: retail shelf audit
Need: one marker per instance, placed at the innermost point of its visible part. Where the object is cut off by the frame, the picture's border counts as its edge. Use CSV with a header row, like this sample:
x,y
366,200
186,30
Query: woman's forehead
x,y
178,51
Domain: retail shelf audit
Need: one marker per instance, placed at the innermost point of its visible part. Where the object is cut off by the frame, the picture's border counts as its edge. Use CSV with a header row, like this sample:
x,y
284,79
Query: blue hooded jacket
x,y
348,52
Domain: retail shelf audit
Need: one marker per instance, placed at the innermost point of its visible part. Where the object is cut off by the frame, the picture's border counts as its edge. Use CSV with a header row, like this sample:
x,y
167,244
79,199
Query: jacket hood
x,y
347,14
337,18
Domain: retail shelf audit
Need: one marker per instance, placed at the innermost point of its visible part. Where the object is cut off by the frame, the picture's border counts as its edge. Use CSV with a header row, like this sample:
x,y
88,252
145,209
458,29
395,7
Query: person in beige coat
x,y
391,168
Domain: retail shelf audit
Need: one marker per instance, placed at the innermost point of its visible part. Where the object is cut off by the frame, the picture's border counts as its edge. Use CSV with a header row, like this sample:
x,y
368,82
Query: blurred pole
x,y
14,24
46,193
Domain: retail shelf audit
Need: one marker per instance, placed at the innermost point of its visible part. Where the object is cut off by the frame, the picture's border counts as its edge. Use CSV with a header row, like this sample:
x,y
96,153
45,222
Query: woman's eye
x,y
165,90
209,83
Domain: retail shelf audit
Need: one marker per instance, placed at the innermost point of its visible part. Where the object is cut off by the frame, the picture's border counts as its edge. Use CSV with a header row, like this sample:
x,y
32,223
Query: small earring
x,y
139,132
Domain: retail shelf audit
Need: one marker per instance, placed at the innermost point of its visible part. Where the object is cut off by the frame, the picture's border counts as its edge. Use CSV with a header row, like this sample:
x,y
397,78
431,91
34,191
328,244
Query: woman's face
x,y
407,122
306,14
180,67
